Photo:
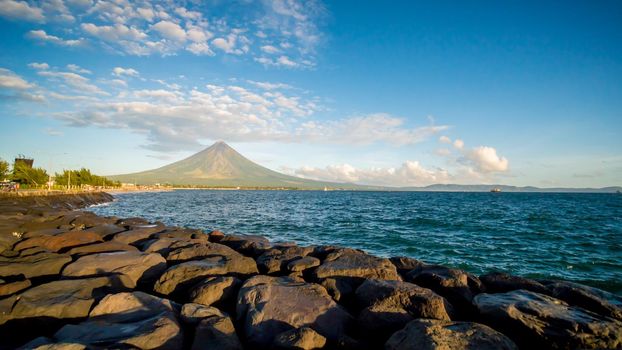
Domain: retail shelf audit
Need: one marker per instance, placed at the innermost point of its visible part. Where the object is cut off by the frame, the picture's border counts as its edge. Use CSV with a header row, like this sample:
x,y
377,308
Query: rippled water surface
x,y
570,236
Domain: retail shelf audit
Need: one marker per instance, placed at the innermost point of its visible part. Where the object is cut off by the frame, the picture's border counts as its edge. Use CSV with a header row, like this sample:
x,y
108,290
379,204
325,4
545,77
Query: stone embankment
x,y
73,280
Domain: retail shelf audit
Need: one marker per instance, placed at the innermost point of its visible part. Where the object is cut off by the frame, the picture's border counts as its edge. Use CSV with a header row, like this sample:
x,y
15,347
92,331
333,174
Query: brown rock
x,y
37,265
105,247
404,264
137,234
303,264
139,267
193,313
268,306
537,321
105,231
498,282
440,335
10,288
221,290
356,264
57,243
216,333
593,299
247,244
200,251
123,320
215,236
179,277
303,338
275,260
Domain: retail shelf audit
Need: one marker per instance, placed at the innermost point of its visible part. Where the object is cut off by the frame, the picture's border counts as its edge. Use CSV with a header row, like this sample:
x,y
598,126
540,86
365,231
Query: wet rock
x,y
593,299
303,264
105,247
193,313
498,282
216,333
139,267
459,287
57,243
65,299
303,338
179,278
247,244
137,234
220,290
10,288
32,266
389,305
268,306
535,320
436,335
404,264
132,319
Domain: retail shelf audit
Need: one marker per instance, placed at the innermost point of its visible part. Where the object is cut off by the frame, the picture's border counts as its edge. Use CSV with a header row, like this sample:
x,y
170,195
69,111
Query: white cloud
x,y
410,173
41,35
114,33
10,80
120,71
458,144
270,49
268,86
486,160
444,139
170,30
39,66
77,69
78,82
20,10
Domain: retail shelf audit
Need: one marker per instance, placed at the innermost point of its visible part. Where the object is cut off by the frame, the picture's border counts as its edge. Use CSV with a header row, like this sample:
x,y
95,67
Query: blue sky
x,y
400,93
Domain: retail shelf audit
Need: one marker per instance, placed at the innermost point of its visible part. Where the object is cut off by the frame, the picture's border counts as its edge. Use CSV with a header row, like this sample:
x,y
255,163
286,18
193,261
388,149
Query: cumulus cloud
x,y
74,80
486,160
42,36
39,66
14,87
10,80
458,144
170,30
20,10
120,71
78,69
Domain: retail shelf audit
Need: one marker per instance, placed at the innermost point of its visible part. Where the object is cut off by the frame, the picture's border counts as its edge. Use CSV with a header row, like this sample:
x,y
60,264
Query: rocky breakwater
x,y
72,280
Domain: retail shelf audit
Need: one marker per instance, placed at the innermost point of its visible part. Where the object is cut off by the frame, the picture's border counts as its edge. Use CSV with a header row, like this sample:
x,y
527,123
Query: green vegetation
x,y
83,177
4,169
26,175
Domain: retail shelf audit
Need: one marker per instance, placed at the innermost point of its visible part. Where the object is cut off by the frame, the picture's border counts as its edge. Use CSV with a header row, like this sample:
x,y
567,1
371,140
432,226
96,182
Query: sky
x,y
400,93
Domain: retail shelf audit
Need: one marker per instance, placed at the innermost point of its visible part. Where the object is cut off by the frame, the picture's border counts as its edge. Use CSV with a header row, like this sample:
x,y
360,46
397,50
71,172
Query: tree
x,y
4,169
83,177
30,176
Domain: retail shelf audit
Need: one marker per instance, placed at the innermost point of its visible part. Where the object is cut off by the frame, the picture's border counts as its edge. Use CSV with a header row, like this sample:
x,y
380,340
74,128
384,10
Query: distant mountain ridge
x,y
221,166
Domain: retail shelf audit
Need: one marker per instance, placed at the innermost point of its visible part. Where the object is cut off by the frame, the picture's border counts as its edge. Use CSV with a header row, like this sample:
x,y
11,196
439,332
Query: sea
x,y
570,236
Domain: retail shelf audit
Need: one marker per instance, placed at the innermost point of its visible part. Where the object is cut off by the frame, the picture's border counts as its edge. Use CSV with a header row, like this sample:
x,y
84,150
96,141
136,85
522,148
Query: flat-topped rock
x,y
535,320
133,319
275,260
268,306
358,265
201,250
498,282
138,266
193,313
593,299
105,247
247,244
137,233
441,335
10,288
105,231
59,242
31,266
179,278
303,264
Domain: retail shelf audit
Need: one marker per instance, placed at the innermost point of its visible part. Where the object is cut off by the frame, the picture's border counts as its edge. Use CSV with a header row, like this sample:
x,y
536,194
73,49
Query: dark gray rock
x,y
593,299
498,282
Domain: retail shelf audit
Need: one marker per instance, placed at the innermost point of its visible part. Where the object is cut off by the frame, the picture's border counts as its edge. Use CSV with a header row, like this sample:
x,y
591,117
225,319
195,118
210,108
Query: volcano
x,y
221,166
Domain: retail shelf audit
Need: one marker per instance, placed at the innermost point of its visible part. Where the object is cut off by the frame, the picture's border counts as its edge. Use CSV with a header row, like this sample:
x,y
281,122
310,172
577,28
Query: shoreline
x,y
63,269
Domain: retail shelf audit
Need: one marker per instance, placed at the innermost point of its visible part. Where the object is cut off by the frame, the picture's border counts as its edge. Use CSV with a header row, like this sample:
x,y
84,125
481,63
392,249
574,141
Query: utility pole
x,y
68,180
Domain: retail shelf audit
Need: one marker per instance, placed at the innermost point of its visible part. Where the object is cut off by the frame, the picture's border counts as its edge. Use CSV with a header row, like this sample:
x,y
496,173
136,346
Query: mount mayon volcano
x,y
221,166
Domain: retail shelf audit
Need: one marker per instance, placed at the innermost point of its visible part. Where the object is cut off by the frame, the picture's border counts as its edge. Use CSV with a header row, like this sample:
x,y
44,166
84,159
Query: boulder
x,y
593,299
138,266
38,265
137,234
57,243
302,264
268,306
215,290
182,233
178,278
201,250
44,232
105,247
338,288
303,338
65,299
215,236
88,219
164,246
389,305
440,335
275,260
125,320
216,333
498,282
10,288
193,313
44,343
535,321
405,264
357,265
105,231
459,287
247,244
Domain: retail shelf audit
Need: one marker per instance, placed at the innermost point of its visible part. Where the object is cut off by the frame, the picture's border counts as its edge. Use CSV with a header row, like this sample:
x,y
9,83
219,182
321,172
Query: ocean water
x,y
575,237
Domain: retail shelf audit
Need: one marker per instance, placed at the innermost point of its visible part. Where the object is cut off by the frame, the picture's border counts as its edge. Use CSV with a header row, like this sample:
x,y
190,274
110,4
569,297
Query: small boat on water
x,y
495,190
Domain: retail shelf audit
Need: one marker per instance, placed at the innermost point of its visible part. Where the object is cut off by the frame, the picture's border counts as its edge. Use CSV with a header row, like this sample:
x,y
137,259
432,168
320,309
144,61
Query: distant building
x,y
23,161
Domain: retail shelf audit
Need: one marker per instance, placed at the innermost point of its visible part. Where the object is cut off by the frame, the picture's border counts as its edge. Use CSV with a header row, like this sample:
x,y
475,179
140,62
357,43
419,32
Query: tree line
x,y
39,177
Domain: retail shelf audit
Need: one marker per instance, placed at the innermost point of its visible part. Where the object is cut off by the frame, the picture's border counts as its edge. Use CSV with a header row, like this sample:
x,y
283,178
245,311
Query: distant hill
x,y
221,166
